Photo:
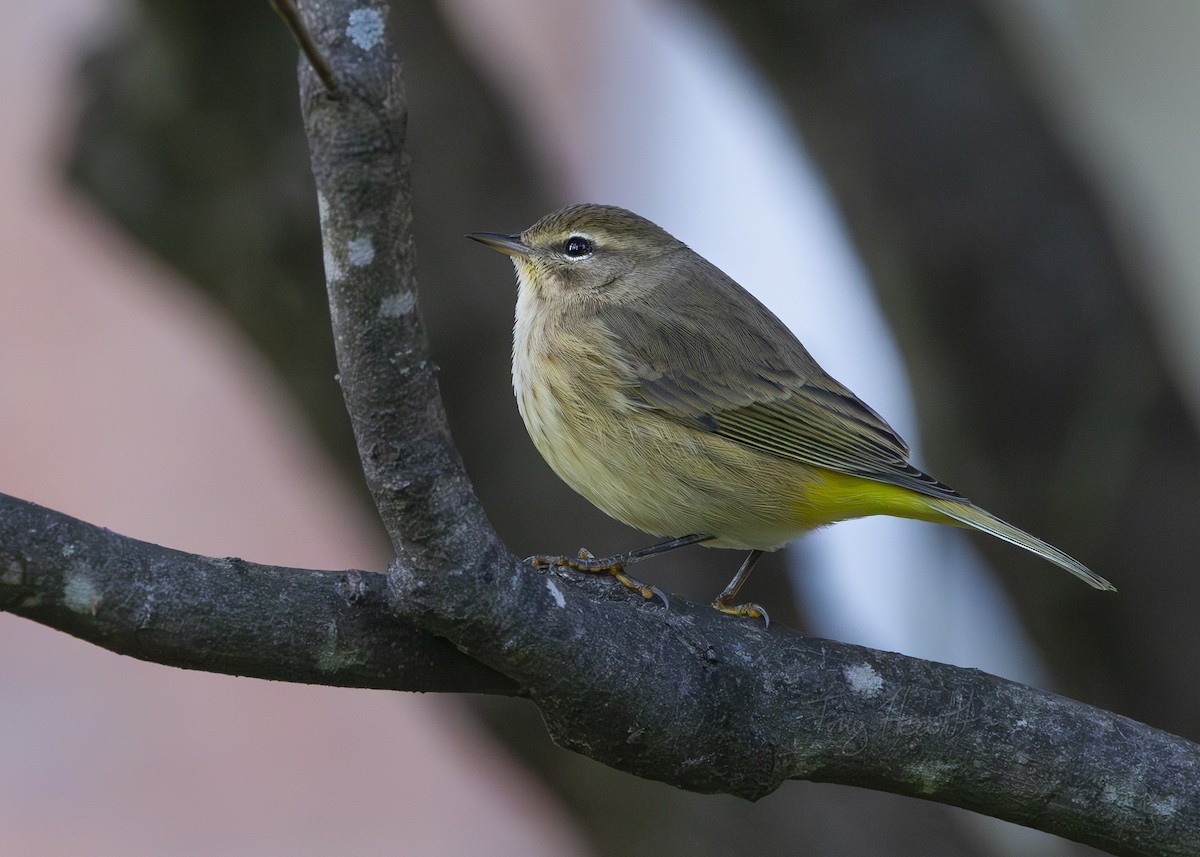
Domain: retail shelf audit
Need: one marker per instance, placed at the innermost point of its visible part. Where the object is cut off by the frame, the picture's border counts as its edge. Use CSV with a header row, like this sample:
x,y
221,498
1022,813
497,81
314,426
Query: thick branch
x,y
219,615
356,137
713,704
704,701
690,697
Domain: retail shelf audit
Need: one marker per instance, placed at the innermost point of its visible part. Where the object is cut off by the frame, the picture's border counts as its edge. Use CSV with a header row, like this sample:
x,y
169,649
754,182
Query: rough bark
x,y
222,615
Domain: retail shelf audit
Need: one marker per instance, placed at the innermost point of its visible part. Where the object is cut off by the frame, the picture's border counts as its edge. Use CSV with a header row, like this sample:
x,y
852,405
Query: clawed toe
x,y
650,593
749,610
585,560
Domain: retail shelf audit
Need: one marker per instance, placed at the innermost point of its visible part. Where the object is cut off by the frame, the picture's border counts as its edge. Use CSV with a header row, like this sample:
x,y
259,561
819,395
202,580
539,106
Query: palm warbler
x,y
667,395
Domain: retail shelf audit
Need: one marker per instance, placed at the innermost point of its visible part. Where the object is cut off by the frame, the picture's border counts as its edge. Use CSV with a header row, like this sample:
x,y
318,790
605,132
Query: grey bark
x,y
701,700
222,615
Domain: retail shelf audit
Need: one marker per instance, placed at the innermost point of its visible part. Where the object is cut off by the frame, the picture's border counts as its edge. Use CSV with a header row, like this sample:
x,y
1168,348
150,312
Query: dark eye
x,y
577,247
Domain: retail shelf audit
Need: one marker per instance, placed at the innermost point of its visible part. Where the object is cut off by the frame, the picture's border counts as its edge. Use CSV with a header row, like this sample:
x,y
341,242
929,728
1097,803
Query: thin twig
x,y
290,14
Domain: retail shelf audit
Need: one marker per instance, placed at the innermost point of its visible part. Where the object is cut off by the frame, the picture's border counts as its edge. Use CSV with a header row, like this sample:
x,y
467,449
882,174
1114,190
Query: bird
x,y
671,398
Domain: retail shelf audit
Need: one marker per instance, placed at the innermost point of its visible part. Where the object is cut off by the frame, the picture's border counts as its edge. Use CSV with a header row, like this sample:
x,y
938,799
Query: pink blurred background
x,y
127,401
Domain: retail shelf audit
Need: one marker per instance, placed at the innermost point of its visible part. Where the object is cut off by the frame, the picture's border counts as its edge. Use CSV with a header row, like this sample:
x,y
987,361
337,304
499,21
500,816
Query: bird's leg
x,y
615,565
724,601
587,562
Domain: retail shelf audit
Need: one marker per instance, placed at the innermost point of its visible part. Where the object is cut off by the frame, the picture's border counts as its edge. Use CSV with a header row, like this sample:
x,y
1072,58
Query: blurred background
x,y
981,216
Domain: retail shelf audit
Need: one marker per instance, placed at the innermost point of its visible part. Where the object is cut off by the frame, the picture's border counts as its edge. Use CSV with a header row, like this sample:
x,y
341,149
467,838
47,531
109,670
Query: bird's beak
x,y
510,245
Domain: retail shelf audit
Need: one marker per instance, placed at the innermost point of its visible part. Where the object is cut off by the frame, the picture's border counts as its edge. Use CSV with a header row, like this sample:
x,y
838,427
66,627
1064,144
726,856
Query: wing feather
x,y
739,373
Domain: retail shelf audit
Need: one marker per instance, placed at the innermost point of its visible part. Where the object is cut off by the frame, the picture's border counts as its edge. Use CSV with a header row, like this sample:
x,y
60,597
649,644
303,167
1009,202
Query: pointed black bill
x,y
510,245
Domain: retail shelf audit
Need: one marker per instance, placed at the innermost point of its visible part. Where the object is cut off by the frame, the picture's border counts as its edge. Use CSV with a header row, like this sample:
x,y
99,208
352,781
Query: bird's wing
x,y
722,370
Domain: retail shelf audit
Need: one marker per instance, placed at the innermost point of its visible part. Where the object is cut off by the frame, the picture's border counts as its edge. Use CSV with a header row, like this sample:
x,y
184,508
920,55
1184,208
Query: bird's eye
x,y
578,247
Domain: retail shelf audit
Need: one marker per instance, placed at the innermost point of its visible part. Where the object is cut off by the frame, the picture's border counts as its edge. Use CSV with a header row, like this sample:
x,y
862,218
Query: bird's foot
x,y
750,610
586,561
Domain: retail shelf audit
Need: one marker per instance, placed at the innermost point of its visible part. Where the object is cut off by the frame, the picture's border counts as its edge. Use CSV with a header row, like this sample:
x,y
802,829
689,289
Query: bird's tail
x,y
972,516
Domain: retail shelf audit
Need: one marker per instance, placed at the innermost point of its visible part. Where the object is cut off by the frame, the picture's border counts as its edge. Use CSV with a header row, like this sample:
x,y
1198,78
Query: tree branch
x,y
356,140
286,9
219,615
692,697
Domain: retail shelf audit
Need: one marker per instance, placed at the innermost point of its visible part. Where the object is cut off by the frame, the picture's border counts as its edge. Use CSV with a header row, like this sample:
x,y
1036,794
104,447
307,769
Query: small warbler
x,y
671,398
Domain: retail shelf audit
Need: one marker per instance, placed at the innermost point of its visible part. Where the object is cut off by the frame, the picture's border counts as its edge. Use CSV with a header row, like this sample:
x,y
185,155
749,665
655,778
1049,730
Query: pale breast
x,y
634,464
566,390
